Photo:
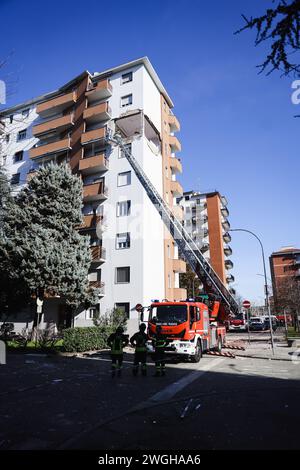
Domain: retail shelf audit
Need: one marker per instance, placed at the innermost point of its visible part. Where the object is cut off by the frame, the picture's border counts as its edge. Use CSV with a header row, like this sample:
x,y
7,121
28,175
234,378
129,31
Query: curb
x,y
264,357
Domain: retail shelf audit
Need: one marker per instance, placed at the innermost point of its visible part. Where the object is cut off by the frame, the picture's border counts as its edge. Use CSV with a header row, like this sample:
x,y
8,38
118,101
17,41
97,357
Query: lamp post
x,y
265,276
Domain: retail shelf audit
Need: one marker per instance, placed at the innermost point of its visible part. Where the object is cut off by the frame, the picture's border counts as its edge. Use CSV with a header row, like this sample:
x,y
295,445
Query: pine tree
x,y
45,249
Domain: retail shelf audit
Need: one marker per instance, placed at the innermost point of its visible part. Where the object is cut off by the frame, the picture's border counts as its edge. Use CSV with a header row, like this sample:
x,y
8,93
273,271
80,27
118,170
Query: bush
x,y
82,339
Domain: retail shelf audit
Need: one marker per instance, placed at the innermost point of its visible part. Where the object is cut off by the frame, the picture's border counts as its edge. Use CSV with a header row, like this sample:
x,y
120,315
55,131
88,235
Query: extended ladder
x,y
186,245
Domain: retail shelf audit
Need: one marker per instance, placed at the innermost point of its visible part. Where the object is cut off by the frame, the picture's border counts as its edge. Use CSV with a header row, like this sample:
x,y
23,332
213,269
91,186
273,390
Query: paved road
x,y
218,403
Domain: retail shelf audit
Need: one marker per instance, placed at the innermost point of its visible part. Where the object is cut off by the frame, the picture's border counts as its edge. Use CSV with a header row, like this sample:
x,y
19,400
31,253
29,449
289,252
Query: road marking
x,y
171,390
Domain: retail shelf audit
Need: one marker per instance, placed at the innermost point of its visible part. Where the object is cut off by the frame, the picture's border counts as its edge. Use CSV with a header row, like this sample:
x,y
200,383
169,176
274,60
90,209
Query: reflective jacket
x,y
139,341
117,343
160,342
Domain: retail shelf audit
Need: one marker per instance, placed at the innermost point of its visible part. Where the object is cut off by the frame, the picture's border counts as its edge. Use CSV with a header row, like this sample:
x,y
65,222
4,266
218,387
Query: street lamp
x,y
265,276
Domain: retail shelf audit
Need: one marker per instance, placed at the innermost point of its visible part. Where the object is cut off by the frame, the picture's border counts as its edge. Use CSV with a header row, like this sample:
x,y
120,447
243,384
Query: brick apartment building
x,y
284,264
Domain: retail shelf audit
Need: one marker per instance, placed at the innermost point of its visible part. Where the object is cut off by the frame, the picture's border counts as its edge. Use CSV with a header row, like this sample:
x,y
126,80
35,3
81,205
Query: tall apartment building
x,y
206,220
134,257
284,264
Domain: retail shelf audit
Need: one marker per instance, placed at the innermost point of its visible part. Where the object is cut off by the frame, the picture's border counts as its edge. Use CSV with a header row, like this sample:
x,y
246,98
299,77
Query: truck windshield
x,y
169,314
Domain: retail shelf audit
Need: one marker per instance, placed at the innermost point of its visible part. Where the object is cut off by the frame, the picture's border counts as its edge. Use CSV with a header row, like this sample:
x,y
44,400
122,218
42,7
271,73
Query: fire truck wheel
x,y
198,353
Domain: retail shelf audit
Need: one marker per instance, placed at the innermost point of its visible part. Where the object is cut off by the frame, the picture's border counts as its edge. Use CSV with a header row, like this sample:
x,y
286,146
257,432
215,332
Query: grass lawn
x,y
292,333
32,345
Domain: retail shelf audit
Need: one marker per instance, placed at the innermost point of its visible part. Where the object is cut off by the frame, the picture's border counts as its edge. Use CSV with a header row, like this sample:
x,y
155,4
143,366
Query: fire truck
x,y
191,335
190,327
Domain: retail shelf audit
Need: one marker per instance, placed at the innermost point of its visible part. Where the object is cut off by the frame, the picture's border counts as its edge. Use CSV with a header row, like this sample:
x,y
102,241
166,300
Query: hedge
x,y
82,339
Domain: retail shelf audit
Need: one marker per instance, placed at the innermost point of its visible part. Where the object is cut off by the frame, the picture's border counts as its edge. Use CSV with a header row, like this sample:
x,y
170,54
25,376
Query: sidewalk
x,y
264,351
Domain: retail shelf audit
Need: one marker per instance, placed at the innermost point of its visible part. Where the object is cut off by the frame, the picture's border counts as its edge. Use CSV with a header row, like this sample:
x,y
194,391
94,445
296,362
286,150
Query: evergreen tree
x,y
45,249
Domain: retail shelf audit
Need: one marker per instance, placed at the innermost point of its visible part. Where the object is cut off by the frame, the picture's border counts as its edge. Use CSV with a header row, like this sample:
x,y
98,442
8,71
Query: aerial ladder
x,y
189,251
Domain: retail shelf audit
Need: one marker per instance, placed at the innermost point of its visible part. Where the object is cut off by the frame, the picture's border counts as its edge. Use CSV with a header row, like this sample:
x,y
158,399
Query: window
x,y
25,112
7,137
123,208
22,134
15,179
123,275
91,313
169,281
123,240
11,118
18,156
126,77
126,100
124,179
127,148
124,306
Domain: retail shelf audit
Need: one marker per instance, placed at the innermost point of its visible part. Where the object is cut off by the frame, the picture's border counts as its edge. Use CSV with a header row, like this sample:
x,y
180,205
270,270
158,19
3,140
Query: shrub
x,y
82,339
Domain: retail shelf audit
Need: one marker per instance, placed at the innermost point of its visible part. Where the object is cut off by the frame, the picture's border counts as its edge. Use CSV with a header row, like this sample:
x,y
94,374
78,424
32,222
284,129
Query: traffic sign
x,y
246,304
139,307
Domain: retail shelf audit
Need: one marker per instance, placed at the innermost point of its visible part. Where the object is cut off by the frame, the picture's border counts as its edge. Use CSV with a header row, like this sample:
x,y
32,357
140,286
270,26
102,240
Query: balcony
x,y
176,188
179,294
56,105
2,127
98,254
94,135
90,221
225,225
48,149
228,264
227,237
174,144
227,250
97,163
173,123
178,212
230,278
94,192
97,113
98,285
175,164
54,125
179,266
30,175
225,211
99,91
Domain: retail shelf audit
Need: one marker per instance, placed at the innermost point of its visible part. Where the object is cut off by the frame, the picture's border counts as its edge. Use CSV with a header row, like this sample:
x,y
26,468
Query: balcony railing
x,y
98,112
98,285
176,188
57,124
175,164
94,135
98,254
90,221
225,211
179,293
100,90
94,191
230,278
174,143
179,266
228,264
227,250
178,212
226,237
47,149
93,164
57,104
174,123
225,224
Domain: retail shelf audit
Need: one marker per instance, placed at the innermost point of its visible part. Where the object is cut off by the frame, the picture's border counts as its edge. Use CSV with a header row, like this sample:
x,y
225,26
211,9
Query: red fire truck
x,y
191,327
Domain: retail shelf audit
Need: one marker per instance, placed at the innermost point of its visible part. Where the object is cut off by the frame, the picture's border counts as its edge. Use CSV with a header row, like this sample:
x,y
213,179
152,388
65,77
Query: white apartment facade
x,y
134,258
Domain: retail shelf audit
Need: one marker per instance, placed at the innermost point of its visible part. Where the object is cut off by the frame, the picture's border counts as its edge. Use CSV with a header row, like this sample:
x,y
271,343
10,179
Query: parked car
x,y
262,323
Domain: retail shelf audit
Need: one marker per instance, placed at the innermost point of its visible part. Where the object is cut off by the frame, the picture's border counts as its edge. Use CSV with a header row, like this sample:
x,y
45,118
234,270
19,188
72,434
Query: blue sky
x,y
238,131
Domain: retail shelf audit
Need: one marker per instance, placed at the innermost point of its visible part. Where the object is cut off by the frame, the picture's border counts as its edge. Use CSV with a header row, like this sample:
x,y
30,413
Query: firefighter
x,y
138,341
159,343
117,341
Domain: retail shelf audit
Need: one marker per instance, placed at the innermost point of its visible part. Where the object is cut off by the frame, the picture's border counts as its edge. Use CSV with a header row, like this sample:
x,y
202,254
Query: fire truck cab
x,y
190,327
